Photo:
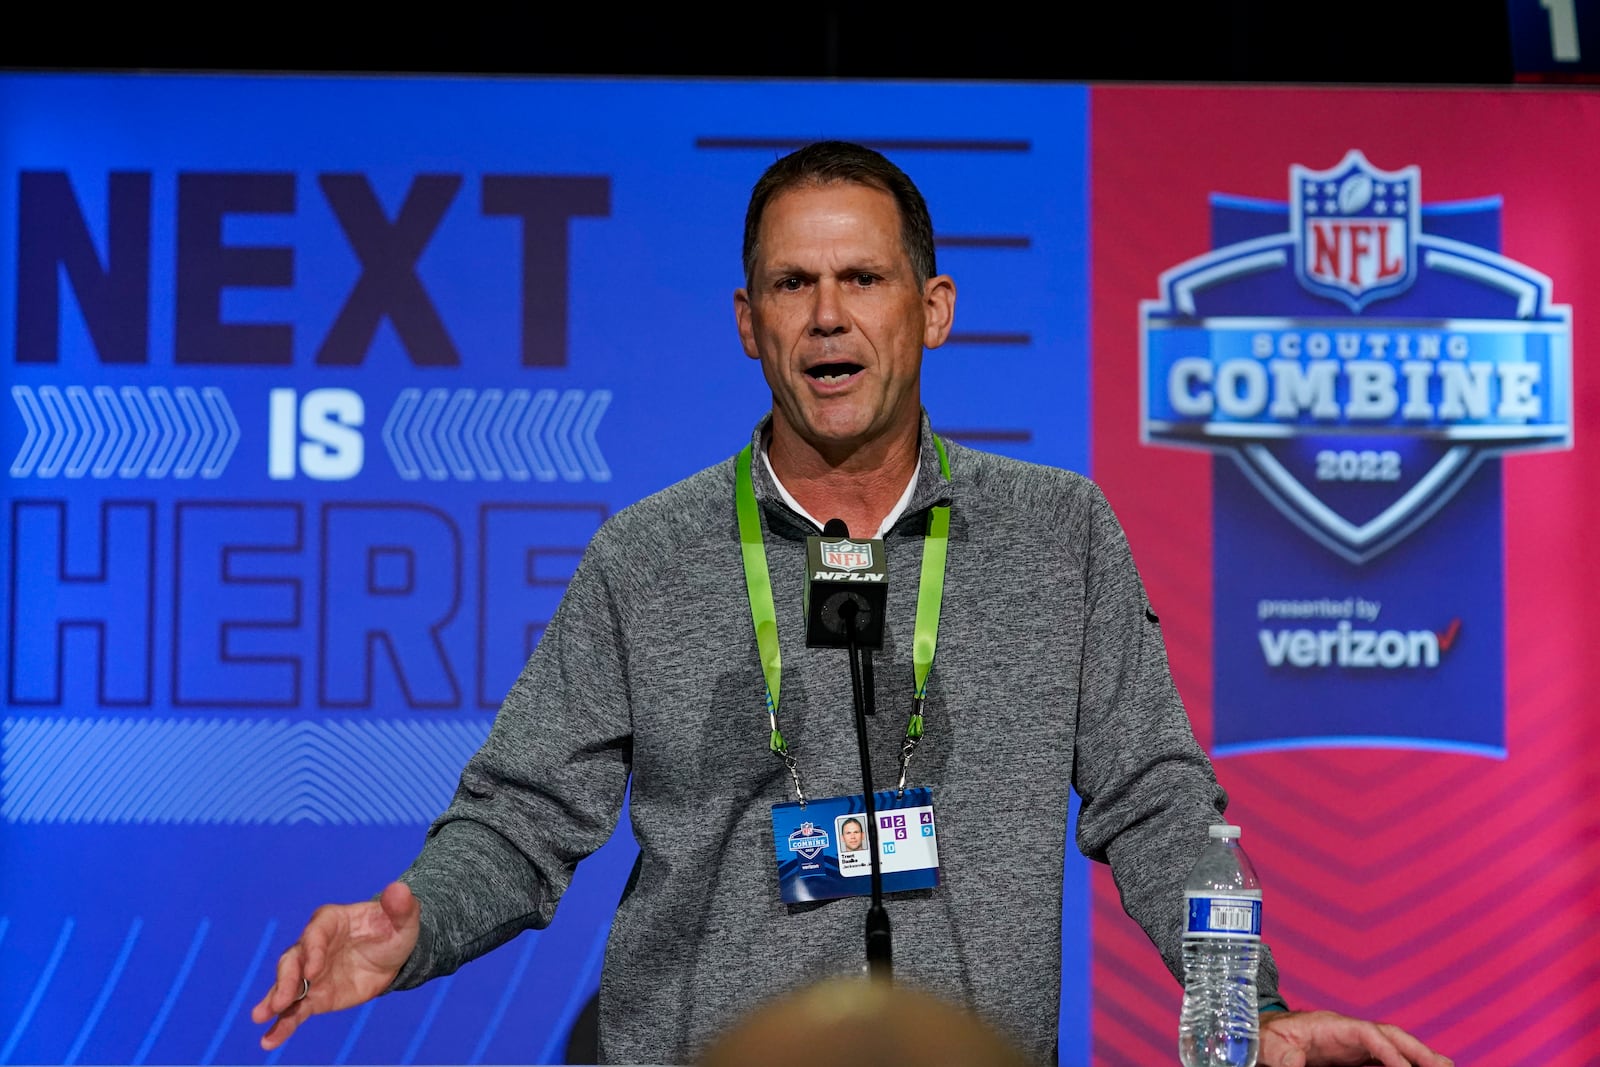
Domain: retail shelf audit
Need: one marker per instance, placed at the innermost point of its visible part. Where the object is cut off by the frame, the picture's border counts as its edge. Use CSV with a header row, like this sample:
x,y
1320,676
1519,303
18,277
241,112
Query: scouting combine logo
x,y
808,841
1357,353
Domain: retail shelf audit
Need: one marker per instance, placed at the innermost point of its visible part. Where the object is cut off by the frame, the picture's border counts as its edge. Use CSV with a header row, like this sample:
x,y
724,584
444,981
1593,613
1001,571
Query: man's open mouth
x,y
833,372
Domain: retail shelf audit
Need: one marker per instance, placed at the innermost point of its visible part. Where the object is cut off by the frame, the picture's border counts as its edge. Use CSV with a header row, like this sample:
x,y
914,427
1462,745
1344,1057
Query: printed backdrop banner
x,y
315,390
1351,329
317,387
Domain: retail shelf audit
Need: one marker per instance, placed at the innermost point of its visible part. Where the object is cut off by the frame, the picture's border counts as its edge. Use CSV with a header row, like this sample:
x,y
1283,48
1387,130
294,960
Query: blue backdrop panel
x,y
315,390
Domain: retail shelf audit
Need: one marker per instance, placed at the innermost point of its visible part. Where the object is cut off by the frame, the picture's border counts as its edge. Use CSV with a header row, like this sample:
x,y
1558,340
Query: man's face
x,y
851,833
838,318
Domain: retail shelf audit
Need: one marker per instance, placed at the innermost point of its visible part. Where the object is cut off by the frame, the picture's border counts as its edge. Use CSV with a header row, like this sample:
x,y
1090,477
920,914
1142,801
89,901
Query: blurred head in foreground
x,y
859,1023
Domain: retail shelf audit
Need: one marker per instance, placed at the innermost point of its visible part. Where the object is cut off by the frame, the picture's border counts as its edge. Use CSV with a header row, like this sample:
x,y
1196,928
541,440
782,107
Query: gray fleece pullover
x,y
1050,672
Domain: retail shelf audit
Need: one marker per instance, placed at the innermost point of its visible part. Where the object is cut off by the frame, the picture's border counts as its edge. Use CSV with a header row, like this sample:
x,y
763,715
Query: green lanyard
x,y
758,583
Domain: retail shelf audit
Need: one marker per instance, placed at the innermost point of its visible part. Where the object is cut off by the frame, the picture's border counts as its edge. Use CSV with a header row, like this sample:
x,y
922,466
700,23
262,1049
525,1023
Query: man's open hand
x,y
1328,1039
346,955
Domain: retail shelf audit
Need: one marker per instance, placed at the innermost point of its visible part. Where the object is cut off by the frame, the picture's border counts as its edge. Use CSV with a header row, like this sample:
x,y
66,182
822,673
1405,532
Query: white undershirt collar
x,y
888,522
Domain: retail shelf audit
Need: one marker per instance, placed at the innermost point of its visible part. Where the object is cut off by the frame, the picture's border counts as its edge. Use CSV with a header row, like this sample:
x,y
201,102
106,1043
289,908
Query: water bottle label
x,y
1217,916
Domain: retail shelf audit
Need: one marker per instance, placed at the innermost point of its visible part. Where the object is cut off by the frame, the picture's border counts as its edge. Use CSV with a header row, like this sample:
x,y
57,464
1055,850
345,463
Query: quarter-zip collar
x,y
932,488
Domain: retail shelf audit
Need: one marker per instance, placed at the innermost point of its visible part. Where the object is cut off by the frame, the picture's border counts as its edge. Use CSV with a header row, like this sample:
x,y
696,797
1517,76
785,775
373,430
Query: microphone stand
x,y
880,949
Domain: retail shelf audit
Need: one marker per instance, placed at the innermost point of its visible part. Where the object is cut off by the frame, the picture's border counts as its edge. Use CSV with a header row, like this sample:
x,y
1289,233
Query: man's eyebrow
x,y
862,265
874,265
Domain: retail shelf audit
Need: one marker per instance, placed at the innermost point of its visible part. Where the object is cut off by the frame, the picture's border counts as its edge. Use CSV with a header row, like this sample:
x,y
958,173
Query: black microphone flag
x,y
842,571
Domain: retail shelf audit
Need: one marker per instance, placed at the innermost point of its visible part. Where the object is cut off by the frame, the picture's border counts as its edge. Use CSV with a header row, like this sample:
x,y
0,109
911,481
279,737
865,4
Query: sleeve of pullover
x,y
1147,787
543,792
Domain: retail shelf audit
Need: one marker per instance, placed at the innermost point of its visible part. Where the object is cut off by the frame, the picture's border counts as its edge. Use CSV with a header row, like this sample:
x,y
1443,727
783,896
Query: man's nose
x,y
828,315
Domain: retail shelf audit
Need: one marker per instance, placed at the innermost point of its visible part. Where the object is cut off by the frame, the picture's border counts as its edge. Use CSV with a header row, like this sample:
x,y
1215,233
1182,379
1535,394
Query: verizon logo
x,y
1346,646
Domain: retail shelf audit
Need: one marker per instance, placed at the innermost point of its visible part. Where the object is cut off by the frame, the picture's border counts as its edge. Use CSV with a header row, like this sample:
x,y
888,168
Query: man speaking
x,y
1019,658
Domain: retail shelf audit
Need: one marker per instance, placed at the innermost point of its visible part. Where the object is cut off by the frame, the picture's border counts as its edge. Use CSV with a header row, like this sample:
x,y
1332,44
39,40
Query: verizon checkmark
x,y
1448,637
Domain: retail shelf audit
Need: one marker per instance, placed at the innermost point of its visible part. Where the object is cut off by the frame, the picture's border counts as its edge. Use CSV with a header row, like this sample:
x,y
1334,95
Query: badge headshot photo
x,y
855,847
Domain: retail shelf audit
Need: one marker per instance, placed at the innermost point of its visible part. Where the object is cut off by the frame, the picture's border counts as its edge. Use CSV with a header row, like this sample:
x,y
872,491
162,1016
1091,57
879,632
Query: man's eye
x,y
866,279
789,285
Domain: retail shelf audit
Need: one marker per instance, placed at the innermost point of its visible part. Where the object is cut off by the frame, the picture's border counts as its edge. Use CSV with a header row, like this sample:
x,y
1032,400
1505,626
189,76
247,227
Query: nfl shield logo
x,y
1357,229
846,555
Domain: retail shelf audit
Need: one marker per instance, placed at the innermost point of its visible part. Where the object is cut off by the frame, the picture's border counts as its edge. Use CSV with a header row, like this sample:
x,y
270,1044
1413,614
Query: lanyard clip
x,y
914,729
780,748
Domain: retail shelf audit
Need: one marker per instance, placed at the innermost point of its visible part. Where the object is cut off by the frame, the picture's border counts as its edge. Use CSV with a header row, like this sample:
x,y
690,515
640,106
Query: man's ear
x,y
939,310
747,329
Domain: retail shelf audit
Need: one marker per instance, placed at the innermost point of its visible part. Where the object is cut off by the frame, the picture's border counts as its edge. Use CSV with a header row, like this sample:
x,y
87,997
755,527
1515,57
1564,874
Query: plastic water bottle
x,y
1220,1024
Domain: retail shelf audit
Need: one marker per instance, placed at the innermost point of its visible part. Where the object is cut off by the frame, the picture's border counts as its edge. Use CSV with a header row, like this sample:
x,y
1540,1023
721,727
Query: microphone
x,y
844,577
847,594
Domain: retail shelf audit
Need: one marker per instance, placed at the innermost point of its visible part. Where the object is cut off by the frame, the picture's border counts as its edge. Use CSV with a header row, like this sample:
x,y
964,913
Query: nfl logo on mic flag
x,y
846,555
841,572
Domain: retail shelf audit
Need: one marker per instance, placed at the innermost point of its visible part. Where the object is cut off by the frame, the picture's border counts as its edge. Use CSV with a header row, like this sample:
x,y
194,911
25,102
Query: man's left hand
x,y
1328,1039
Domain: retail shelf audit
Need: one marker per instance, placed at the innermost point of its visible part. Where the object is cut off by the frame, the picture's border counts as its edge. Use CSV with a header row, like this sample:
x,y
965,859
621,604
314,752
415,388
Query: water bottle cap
x,y
1225,831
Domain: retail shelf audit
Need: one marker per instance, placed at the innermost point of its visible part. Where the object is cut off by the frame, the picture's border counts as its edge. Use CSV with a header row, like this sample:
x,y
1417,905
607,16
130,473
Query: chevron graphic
x,y
217,771
1459,926
77,432
1451,894
468,434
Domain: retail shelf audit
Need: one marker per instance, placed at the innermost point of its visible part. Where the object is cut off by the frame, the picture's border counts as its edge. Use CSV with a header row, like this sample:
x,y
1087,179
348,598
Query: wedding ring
x,y
305,987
